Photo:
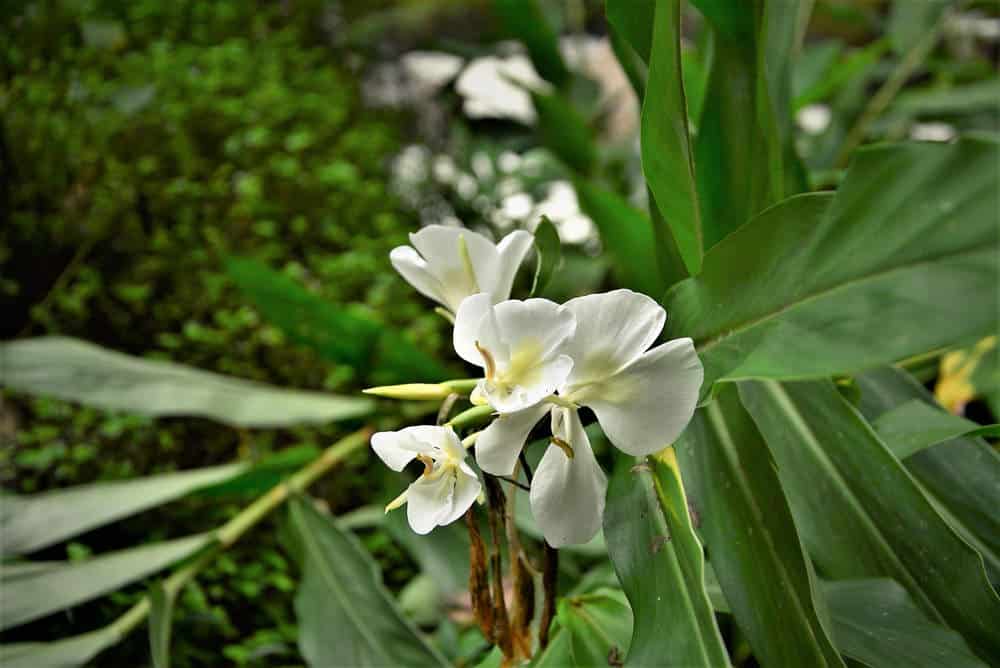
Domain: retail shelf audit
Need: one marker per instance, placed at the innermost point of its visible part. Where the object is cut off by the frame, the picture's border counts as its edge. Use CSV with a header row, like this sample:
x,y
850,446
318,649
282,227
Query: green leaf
x,y
916,425
443,554
597,627
899,263
627,236
959,476
910,21
75,370
549,253
35,521
66,653
660,564
565,132
861,514
752,542
667,159
345,615
633,20
950,100
335,332
31,597
161,609
525,21
876,622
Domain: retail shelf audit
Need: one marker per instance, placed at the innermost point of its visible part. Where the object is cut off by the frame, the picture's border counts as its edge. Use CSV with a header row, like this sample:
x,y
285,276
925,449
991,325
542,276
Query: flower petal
x,y
612,330
429,501
414,269
567,494
450,444
498,446
439,245
399,448
539,324
465,492
512,250
470,314
540,382
645,406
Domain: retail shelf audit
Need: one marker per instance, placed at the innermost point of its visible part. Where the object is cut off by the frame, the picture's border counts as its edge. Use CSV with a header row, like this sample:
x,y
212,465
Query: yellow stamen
x,y
564,446
491,365
428,465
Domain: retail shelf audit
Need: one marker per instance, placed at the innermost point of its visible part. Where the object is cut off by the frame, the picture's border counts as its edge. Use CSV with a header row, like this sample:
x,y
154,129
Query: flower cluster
x,y
538,359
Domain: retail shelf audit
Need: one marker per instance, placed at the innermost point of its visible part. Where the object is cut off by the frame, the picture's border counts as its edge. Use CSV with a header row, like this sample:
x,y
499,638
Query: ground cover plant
x,y
748,419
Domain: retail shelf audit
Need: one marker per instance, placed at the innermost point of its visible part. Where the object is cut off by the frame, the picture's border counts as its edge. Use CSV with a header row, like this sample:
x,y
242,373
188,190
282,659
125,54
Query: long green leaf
x,y
915,425
337,333
960,476
876,622
661,566
66,653
752,543
627,236
79,371
902,261
597,627
861,514
35,521
564,131
346,617
161,610
525,20
667,156
29,598
633,20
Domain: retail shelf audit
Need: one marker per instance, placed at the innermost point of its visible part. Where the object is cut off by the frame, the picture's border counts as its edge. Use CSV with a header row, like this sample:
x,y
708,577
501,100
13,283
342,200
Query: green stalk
x,y
230,532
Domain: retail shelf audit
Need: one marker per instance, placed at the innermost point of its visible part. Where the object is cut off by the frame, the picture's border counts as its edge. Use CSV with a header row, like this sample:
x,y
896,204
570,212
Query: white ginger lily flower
x,y
518,344
446,488
643,400
448,264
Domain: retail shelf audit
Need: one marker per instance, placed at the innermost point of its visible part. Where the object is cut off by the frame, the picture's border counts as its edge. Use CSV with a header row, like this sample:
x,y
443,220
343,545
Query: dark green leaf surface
x,y
861,514
910,21
661,567
346,617
75,370
915,425
752,543
960,476
565,132
161,610
31,597
525,20
443,554
335,332
875,621
633,20
548,252
900,262
667,159
627,235
597,627
35,521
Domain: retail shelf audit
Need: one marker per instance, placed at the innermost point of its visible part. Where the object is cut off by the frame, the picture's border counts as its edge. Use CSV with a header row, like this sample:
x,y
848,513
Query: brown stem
x,y
550,573
501,622
479,578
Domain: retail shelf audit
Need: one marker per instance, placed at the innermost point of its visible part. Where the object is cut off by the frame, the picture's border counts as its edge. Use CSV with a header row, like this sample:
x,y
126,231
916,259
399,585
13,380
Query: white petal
x,y
451,445
512,250
439,245
567,495
612,330
465,492
498,446
645,406
428,502
470,314
532,387
536,324
414,269
399,448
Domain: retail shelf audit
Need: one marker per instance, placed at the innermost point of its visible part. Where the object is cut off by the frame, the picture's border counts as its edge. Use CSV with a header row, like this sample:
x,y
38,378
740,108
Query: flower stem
x,y
235,528
550,573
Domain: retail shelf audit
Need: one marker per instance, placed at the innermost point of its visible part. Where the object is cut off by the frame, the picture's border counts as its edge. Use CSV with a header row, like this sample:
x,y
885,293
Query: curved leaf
x,y
861,514
752,543
660,564
548,251
902,261
916,425
30,597
79,371
161,610
346,617
35,521
66,653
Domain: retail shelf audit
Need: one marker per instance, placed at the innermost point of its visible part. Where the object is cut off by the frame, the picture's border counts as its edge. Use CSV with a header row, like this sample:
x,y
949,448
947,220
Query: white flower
x,y
446,488
643,400
448,264
518,345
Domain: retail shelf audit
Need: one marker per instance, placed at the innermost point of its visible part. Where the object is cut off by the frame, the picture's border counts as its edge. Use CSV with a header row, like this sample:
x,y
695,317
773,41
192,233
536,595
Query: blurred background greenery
x,y
143,143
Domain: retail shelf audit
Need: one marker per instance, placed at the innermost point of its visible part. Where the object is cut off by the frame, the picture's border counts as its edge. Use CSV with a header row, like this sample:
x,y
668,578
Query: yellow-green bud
x,y
414,391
